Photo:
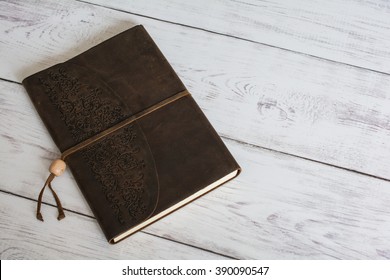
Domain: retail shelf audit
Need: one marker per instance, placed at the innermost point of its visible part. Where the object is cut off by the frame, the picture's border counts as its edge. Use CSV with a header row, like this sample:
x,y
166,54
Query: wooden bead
x,y
57,167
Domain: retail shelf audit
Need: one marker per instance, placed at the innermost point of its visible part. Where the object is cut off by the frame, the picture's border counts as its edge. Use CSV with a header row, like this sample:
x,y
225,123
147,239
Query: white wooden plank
x,y
351,208
76,237
264,96
283,207
354,32
280,207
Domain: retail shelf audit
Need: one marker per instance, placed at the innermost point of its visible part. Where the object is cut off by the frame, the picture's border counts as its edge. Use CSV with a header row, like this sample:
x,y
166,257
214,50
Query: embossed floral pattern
x,y
118,165
85,109
115,161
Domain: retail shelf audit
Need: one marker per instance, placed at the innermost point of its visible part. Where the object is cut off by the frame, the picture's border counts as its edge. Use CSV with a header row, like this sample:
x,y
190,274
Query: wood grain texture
x,y
353,31
287,208
78,238
280,207
268,97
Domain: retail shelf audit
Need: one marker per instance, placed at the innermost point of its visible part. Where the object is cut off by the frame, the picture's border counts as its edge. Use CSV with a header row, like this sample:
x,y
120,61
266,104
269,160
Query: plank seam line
x,y
10,81
207,250
143,231
45,203
238,38
304,158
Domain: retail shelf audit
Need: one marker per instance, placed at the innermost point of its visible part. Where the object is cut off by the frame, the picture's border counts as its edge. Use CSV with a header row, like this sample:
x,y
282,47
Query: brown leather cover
x,y
151,164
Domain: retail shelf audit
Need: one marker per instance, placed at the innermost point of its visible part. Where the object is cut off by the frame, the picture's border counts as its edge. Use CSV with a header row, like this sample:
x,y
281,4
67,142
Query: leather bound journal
x,y
138,145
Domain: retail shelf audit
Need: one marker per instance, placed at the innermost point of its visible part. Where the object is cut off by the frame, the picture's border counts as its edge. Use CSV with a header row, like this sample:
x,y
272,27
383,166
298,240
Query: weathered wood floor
x,y
299,91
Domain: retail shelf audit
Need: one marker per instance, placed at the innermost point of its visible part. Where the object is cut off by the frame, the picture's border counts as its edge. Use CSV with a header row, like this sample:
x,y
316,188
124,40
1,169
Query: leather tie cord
x,y
61,213
58,166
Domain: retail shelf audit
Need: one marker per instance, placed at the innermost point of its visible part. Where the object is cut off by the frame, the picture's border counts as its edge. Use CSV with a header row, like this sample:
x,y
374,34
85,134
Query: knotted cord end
x,y
61,215
39,216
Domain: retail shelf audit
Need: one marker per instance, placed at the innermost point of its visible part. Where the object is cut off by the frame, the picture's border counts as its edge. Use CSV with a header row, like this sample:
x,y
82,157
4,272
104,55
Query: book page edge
x,y
175,206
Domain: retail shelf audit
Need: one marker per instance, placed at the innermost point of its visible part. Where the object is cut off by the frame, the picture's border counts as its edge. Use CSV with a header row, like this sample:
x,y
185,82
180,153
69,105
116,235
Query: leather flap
x,y
117,174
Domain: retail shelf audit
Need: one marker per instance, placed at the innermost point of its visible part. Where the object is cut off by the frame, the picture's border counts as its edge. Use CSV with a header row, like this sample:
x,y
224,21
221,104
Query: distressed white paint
x,y
280,207
76,237
268,97
350,31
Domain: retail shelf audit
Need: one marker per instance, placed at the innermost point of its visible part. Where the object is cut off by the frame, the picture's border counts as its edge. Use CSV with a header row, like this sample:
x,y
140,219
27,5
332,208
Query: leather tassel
x,y
56,169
